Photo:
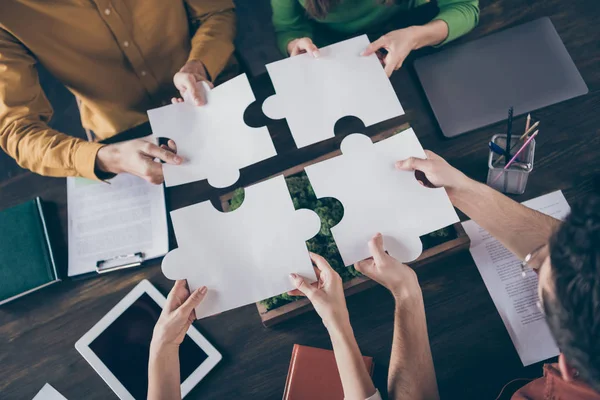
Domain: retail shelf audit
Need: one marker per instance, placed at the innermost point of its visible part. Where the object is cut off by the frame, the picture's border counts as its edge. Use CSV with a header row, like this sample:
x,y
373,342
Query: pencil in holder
x,y
514,179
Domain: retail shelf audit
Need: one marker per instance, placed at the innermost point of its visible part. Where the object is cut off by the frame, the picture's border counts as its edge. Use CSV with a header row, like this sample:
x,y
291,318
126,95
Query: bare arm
x,y
518,228
356,381
411,375
327,296
163,373
178,314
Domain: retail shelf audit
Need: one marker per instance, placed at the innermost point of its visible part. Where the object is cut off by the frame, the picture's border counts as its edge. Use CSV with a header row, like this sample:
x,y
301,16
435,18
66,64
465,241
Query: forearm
x,y
163,373
212,41
430,34
518,228
42,150
356,381
412,374
290,22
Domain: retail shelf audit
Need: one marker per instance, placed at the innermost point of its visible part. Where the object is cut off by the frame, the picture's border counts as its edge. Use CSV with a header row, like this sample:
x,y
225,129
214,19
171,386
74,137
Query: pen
x,y
516,155
495,148
508,132
523,136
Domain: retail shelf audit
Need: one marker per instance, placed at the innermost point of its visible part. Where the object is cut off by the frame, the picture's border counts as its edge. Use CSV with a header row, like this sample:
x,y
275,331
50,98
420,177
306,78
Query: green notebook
x,y
26,260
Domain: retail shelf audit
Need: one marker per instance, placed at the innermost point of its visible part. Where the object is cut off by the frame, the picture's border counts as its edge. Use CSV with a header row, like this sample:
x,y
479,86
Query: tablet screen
x,y
124,347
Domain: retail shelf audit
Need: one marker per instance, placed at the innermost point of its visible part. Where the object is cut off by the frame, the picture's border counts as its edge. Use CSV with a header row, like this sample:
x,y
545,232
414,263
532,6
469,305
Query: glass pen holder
x,y
514,179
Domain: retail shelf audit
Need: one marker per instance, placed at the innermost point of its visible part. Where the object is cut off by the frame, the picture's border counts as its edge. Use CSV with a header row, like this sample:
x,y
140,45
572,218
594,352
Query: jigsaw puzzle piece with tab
x,y
213,139
245,255
378,198
312,94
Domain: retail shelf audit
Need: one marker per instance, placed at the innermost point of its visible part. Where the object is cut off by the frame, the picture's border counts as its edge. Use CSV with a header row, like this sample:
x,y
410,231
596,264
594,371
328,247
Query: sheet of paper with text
x,y
49,393
516,297
109,220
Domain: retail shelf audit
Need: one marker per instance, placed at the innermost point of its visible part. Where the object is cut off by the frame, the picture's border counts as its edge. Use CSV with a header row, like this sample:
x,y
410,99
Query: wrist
x,y
107,160
462,189
160,348
338,324
195,67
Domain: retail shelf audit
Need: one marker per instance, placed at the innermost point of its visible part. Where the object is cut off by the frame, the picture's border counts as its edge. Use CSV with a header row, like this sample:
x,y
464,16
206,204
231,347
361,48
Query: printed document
x,y
106,221
516,297
49,393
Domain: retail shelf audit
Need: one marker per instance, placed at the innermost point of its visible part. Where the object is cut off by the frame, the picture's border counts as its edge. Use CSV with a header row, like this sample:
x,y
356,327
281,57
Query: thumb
x,y
302,286
412,164
373,47
193,301
376,248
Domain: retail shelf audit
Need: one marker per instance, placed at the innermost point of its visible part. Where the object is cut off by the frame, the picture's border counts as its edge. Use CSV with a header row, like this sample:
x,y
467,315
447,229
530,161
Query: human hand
x,y
177,315
384,269
326,295
398,45
137,158
302,45
436,172
189,83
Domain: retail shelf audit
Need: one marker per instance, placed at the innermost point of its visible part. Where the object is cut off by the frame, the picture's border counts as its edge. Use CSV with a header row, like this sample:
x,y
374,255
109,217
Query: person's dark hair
x,y
320,8
573,310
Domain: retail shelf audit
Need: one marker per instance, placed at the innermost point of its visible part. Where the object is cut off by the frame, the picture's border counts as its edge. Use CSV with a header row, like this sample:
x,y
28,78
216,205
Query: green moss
x,y
331,212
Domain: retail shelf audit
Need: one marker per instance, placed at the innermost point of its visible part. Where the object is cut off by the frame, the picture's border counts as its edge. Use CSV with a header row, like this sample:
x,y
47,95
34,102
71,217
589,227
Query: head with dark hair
x,y
570,290
320,8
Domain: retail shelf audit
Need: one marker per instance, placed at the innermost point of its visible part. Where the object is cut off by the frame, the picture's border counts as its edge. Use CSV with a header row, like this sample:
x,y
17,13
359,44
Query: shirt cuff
x,y
213,54
459,23
85,159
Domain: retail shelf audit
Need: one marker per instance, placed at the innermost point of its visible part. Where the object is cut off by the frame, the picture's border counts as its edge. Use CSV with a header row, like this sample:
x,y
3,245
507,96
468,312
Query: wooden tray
x,y
358,284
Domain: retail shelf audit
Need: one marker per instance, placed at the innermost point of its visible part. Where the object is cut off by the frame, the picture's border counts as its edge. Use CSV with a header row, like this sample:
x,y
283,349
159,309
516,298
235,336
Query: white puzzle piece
x,y
213,139
245,255
378,198
314,93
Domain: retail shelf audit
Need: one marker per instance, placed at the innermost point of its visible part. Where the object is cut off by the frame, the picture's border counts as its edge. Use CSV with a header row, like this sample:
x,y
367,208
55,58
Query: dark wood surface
x,y
473,354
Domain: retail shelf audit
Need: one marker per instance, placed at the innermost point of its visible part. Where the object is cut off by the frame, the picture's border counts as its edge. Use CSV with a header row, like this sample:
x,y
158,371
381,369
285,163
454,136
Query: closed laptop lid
x,y
472,85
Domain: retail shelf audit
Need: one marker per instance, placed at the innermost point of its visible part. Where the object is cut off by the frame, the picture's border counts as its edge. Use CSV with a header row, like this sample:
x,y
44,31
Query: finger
x,y
431,155
364,265
412,164
376,249
310,47
172,145
320,262
295,51
373,47
152,172
390,64
174,100
302,286
193,301
162,154
197,92
296,292
172,300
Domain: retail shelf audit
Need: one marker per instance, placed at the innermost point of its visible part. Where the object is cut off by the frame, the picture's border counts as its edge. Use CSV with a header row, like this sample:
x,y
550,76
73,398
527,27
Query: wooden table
x,y
472,351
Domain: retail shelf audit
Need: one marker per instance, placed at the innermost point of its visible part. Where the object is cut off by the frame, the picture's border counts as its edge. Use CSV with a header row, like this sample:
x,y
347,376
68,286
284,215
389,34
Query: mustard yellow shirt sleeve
x,y
212,42
24,114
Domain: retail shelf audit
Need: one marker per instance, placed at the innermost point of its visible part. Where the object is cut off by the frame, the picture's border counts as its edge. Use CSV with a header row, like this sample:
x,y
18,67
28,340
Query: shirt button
x,y
143,73
107,11
126,43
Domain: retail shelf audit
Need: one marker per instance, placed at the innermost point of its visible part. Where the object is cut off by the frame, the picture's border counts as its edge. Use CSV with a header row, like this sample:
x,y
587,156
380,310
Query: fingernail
x,y
293,276
378,235
399,163
177,159
316,54
203,289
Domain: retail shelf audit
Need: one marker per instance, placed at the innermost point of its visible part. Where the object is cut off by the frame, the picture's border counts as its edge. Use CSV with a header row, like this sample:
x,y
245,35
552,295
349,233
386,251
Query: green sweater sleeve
x,y
460,15
290,22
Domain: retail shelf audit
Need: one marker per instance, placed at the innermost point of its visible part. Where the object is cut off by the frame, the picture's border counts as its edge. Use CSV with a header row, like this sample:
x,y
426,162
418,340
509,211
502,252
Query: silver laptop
x,y
473,85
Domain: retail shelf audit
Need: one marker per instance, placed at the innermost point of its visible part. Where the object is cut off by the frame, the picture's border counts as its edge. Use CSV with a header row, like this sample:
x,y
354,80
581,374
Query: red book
x,y
313,375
